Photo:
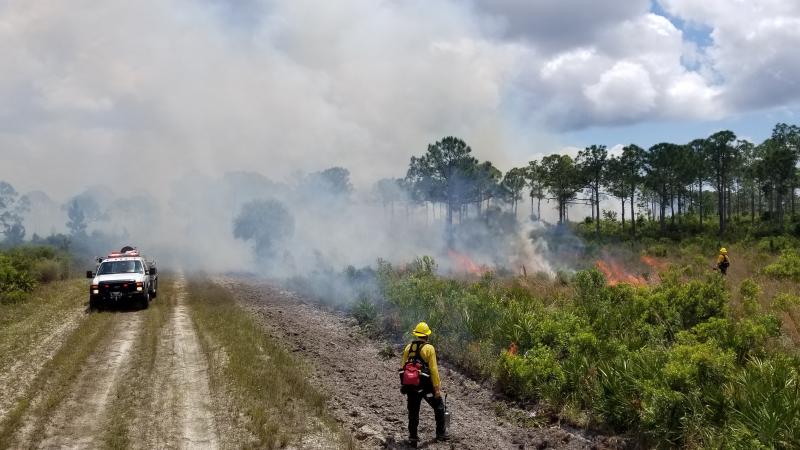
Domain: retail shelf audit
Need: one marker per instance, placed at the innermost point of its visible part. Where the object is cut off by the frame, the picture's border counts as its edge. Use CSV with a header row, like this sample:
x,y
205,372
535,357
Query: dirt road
x,y
137,380
362,384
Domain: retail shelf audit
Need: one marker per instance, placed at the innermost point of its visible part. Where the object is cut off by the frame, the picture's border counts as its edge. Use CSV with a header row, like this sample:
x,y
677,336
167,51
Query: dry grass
x,y
21,324
278,405
51,385
132,395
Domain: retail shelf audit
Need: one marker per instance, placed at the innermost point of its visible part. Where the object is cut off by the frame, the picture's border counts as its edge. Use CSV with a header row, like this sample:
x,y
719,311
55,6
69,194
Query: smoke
x,y
207,87
155,123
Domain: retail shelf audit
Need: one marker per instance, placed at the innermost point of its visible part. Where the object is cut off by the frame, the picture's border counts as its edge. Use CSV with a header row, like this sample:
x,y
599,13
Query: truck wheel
x,y
153,293
94,305
144,302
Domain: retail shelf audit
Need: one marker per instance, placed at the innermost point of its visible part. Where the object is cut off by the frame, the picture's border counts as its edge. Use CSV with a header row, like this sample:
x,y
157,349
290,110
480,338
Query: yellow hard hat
x,y
723,250
422,329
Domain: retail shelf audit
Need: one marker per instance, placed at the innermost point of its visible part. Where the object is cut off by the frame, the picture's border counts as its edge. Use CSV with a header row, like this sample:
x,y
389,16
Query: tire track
x,y
17,378
79,421
178,410
196,418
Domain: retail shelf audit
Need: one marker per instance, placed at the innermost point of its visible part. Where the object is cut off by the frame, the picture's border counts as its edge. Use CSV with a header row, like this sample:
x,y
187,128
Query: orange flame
x,y
512,349
654,263
616,274
463,263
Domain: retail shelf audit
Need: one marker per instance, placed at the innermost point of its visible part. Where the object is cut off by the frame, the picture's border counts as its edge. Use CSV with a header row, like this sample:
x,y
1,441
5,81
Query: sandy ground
x,y
16,378
179,412
363,387
79,421
174,410
197,428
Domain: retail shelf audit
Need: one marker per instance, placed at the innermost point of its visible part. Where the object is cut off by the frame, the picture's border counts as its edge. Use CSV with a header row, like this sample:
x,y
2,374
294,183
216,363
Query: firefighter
x,y
420,378
722,261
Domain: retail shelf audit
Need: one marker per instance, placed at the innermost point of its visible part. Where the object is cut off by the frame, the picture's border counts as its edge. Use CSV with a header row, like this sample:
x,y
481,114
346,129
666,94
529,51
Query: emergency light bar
x,y
131,253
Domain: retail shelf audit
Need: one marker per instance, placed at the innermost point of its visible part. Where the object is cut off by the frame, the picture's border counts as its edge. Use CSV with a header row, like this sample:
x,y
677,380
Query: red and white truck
x,y
124,277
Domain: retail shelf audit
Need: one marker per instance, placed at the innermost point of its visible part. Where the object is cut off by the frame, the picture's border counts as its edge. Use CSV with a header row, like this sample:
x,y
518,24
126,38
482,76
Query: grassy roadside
x,y
132,396
268,385
56,377
23,323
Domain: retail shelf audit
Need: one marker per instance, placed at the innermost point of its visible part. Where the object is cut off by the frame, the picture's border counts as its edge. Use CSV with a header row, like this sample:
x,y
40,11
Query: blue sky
x,y
755,126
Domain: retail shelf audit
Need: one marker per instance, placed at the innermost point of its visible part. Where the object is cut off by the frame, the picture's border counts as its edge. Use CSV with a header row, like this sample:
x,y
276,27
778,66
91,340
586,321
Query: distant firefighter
x,y
722,261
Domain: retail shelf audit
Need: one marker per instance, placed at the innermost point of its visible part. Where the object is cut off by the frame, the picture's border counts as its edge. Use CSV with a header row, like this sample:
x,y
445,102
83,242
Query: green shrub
x,y
13,279
657,362
365,312
22,267
659,250
693,365
536,375
786,267
750,291
774,244
48,270
12,297
784,302
697,301
764,404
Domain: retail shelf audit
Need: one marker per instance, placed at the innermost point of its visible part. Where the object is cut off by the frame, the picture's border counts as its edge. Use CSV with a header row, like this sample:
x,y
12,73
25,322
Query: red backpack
x,y
415,367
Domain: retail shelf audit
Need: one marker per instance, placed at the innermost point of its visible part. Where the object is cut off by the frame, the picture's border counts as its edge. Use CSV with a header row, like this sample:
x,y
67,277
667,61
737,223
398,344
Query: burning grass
x,y
463,264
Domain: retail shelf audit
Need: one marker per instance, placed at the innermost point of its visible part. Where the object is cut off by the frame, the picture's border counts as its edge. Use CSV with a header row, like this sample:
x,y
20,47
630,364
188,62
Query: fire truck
x,y
123,278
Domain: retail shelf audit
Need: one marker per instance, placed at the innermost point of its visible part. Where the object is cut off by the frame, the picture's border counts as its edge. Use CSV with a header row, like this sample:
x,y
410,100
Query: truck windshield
x,y
110,267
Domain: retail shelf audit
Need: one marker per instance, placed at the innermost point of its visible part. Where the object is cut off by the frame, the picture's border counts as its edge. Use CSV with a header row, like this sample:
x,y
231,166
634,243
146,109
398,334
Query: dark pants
x,y
414,402
723,269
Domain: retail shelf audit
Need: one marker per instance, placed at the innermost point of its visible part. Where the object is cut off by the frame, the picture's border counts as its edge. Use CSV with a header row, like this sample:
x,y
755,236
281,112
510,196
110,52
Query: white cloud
x,y
624,92
280,85
632,72
754,48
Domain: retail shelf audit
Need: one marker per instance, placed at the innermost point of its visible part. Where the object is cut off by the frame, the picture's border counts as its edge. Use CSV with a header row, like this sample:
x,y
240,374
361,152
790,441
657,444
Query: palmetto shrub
x,y
660,363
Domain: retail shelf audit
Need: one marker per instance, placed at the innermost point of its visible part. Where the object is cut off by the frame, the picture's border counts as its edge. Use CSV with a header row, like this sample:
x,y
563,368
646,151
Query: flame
x,y
463,263
616,274
653,263
512,349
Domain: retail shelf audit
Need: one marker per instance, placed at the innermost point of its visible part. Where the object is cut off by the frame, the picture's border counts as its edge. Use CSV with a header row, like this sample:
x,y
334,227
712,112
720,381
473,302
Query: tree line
x,y
709,179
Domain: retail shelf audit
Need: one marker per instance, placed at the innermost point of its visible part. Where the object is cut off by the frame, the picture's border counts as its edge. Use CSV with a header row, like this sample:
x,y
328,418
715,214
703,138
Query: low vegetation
x,y
786,267
674,363
268,385
23,268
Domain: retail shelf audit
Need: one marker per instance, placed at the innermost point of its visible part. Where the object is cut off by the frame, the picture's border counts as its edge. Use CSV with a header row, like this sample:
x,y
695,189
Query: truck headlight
x,y
139,289
95,291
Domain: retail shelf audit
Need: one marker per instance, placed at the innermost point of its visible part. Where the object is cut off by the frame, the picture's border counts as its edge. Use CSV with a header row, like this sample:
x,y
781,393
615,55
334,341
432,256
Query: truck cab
x,y
123,278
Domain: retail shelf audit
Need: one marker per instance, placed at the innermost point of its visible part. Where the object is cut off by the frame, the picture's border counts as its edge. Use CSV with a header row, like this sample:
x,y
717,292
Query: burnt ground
x,y
363,389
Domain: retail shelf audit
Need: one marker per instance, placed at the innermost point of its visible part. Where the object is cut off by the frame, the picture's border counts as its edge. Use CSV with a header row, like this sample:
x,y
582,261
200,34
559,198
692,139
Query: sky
x,y
168,88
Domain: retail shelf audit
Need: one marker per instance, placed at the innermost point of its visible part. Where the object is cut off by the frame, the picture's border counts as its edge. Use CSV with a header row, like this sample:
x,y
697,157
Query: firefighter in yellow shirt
x,y
722,261
420,379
